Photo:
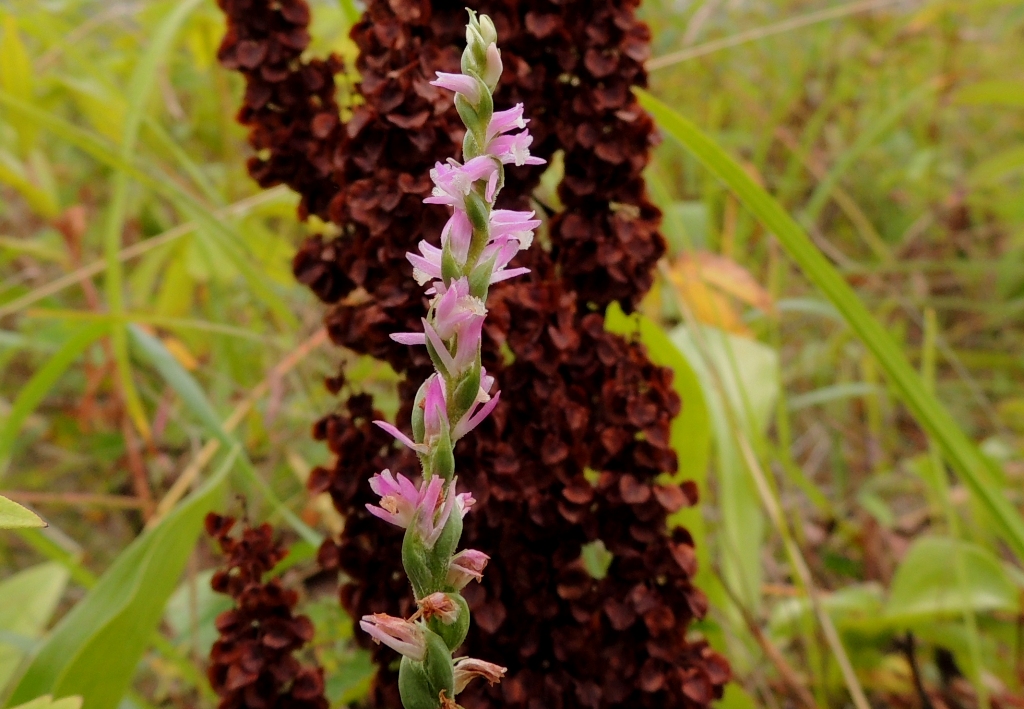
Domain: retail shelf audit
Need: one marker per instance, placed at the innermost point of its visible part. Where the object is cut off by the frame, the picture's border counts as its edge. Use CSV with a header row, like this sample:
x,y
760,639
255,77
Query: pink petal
x,y
470,422
409,338
401,437
500,276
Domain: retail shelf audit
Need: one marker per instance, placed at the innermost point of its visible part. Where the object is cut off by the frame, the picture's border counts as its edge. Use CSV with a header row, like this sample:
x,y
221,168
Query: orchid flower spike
x,y
477,247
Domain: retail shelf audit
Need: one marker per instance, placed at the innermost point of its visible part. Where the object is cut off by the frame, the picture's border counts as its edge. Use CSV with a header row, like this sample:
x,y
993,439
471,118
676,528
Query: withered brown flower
x,y
252,663
576,450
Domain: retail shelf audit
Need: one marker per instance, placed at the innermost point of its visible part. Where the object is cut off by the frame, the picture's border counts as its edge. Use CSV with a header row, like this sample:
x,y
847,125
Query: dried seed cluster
x,y
252,663
575,398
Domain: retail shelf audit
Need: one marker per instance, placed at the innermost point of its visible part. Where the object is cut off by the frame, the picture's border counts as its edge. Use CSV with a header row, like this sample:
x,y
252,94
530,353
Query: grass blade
x,y
168,188
965,457
139,89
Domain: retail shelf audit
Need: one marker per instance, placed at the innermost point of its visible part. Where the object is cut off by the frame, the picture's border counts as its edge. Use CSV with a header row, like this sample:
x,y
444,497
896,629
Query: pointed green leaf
x,y
14,516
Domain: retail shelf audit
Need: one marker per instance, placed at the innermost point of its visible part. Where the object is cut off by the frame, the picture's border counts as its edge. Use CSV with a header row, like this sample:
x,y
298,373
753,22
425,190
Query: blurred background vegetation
x,y
153,340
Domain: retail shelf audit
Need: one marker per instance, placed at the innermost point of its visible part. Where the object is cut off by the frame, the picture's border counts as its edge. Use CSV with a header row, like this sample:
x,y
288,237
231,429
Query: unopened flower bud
x,y
487,29
467,668
468,565
439,605
492,68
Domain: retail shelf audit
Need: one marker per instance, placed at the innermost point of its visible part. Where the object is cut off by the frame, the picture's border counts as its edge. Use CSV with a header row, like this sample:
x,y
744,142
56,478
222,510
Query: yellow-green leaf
x,y
14,516
48,702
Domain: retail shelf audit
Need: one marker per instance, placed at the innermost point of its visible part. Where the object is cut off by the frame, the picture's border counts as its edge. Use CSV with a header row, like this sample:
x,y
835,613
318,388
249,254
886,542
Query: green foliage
x,y
48,702
29,599
932,415
14,516
93,651
146,292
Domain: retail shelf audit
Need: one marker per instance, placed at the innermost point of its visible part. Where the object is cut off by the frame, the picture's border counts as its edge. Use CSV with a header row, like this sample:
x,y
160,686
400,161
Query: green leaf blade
x,y
14,516
965,457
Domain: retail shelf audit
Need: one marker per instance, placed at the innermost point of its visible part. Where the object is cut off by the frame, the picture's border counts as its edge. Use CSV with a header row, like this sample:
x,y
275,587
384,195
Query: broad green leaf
x,y
690,434
29,599
968,461
738,376
14,516
15,65
48,702
94,650
36,389
736,697
349,11
102,107
924,586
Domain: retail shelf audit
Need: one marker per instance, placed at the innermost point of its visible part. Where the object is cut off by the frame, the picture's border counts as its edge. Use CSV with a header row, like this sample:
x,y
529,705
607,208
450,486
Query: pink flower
x,y
502,249
514,149
399,634
516,225
459,232
399,498
456,309
432,513
467,344
426,265
459,83
435,410
481,408
467,668
505,121
468,565
463,502
452,182
474,417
